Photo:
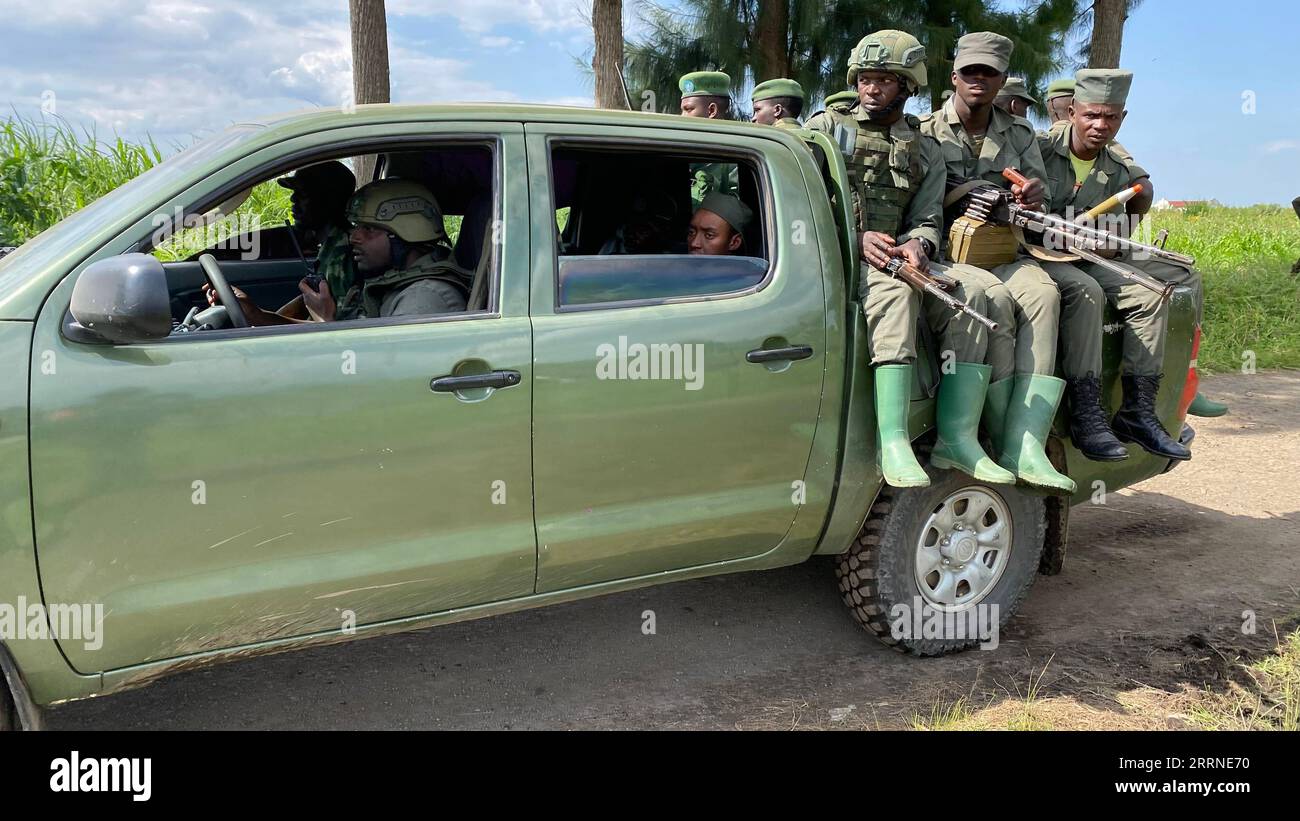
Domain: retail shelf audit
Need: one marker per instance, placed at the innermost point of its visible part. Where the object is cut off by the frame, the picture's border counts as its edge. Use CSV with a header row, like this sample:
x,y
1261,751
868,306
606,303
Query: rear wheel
x,y
930,564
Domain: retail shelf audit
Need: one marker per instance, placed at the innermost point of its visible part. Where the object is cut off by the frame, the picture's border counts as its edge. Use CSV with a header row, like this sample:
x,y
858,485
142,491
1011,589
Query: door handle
x,y
794,352
494,379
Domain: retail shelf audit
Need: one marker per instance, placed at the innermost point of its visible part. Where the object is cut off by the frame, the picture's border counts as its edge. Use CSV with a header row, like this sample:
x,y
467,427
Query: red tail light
x,y
1192,385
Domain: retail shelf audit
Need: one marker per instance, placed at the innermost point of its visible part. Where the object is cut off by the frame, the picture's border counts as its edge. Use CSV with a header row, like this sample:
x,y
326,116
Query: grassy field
x,y
1252,298
48,170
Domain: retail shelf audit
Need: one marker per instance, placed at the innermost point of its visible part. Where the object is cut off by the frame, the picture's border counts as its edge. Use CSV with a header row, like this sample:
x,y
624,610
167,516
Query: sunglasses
x,y
978,71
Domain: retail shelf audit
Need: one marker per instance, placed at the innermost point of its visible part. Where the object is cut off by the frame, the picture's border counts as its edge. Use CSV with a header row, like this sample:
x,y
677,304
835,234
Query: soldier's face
x,y
766,113
702,107
370,249
877,90
978,85
1096,124
711,234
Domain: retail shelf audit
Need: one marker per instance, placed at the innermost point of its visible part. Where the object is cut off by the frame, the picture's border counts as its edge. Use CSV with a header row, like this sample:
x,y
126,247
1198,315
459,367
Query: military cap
x,y
1102,85
731,209
332,176
983,48
705,84
1015,87
842,97
1060,88
768,89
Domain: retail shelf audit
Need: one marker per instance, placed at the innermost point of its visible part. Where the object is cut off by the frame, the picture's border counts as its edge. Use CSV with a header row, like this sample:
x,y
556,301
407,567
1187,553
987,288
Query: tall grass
x,y
48,170
1252,300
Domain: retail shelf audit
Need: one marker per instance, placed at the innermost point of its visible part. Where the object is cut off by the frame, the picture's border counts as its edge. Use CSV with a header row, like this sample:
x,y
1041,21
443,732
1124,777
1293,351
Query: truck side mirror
x,y
122,299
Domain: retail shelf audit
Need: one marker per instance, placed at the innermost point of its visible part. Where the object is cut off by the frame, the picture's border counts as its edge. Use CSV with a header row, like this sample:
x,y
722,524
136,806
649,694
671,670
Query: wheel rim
x,y
963,549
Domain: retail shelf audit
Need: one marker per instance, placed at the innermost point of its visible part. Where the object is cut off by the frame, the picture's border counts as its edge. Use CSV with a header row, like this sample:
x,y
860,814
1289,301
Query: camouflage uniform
x,y
334,260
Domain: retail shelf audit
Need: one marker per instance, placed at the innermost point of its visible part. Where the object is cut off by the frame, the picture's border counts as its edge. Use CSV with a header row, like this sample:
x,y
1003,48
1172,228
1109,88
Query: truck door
x,y
675,395
248,485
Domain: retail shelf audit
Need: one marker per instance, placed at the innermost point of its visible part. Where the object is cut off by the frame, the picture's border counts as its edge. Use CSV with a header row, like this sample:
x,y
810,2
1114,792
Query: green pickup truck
x,y
177,491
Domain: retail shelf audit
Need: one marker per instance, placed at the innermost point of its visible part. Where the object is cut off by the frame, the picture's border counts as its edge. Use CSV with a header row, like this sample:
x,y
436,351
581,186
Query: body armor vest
x,y
884,167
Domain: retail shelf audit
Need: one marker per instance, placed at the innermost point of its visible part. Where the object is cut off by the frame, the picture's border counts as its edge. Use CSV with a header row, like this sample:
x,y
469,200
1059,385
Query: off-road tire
x,y
8,713
877,572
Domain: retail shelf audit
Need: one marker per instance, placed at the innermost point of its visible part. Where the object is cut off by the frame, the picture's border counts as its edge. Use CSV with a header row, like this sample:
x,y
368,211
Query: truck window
x,y
633,230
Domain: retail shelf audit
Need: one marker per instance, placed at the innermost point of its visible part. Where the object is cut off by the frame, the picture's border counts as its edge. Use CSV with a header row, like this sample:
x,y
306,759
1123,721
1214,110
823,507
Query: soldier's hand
x,y
877,248
320,304
251,311
1030,195
913,253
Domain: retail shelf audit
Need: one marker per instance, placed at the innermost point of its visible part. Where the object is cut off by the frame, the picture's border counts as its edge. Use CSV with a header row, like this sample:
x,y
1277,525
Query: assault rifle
x,y
936,283
996,205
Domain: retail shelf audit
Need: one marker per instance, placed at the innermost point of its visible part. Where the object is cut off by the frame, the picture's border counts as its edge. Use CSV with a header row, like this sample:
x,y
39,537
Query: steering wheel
x,y
224,292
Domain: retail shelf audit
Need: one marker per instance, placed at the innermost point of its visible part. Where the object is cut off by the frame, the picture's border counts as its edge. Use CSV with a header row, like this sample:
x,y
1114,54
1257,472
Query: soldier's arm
x,y
924,216
1142,202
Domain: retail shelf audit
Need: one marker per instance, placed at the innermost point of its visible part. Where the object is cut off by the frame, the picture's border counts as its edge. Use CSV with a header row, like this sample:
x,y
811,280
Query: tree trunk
x,y
771,36
1107,33
607,62
369,64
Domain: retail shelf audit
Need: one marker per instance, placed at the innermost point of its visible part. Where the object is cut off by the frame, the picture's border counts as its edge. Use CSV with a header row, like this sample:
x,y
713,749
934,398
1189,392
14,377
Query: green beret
x,y
1060,88
983,48
731,209
1102,85
705,84
768,89
1015,87
842,97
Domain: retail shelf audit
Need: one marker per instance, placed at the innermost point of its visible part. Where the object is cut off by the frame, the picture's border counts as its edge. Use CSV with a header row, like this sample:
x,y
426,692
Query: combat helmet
x,y
890,50
404,208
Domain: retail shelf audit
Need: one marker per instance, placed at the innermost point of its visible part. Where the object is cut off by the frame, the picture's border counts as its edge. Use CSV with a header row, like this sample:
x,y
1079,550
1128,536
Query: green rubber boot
x,y
995,412
957,417
1206,407
1034,401
893,398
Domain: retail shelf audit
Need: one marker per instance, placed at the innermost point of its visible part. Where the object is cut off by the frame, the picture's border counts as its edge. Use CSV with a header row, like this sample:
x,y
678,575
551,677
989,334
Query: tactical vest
x,y
363,300
884,168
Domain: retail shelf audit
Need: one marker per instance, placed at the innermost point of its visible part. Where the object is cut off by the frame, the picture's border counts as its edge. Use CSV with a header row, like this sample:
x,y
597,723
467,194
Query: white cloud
x,y
1278,146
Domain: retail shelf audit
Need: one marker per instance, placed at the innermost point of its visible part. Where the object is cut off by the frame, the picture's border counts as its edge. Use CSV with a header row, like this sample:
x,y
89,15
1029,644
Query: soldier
x,y
718,226
978,140
1014,98
320,197
898,181
1059,94
778,103
707,94
850,96
1083,169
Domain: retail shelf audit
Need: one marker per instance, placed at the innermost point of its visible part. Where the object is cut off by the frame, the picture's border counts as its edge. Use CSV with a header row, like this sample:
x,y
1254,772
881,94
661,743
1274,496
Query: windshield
x,y
152,186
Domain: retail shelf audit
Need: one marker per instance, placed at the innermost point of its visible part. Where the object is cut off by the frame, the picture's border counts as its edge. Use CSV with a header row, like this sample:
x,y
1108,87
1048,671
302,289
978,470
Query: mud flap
x,y
1058,516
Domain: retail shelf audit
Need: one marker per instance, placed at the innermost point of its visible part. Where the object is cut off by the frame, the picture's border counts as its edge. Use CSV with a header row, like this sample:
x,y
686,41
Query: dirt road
x,y
1151,599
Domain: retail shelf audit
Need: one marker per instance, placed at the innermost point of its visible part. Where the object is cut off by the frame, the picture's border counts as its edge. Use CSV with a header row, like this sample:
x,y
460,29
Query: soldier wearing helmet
x,y
897,178
401,255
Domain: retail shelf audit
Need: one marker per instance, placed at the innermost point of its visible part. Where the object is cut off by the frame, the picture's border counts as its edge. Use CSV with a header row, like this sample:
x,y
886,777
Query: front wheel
x,y
936,569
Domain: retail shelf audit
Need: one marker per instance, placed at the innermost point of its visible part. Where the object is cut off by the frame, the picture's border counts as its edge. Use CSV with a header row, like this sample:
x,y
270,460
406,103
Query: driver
x,y
402,258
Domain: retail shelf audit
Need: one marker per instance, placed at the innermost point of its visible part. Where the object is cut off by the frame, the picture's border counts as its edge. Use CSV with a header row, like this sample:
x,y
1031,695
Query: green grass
x,y
48,170
1252,298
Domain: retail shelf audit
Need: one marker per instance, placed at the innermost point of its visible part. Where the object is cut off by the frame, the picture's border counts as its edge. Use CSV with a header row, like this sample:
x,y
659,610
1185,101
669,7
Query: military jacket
x,y
1009,141
1109,174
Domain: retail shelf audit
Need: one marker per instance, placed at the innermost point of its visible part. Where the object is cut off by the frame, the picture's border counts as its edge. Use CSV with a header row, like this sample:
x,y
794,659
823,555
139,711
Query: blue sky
x,y
181,69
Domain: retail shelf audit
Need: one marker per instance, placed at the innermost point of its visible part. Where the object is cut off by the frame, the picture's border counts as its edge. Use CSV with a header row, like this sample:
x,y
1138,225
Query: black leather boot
x,y
1088,427
1137,421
